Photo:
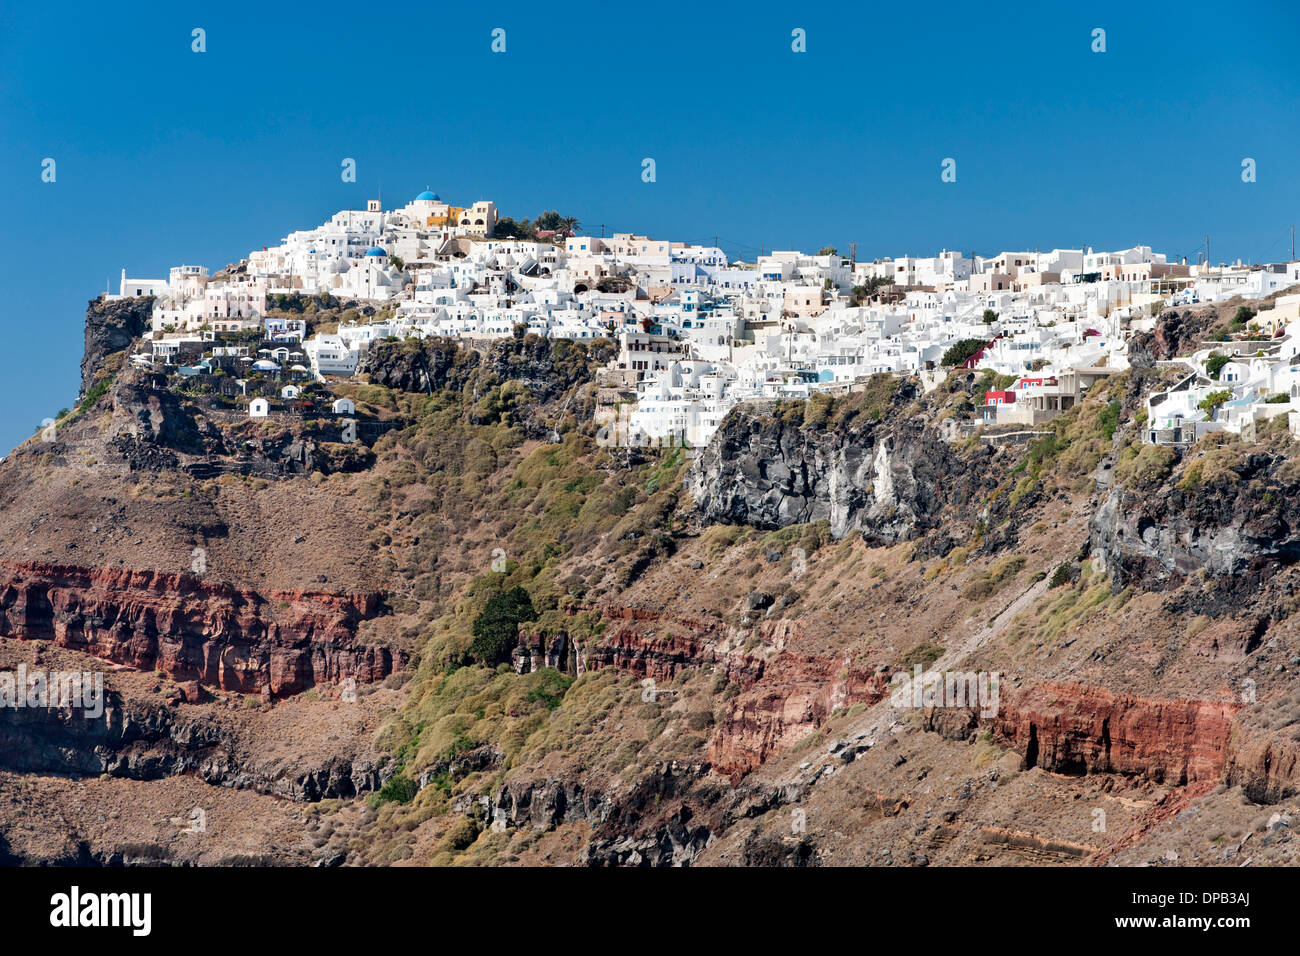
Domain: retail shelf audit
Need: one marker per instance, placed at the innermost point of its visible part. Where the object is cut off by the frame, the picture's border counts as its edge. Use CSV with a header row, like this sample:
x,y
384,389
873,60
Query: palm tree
x,y
569,224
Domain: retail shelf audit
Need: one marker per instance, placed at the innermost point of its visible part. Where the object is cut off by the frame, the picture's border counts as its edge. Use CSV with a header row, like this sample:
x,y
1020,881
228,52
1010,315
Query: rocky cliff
x,y
110,328
189,628
892,479
1178,332
1073,729
785,694
139,741
546,368
1237,526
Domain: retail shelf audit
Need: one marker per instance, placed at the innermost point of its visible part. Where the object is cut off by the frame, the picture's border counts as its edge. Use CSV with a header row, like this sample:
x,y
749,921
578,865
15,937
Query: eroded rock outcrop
x,y
666,819
140,741
1240,529
1075,729
111,327
548,368
1266,766
281,642
892,480
1177,332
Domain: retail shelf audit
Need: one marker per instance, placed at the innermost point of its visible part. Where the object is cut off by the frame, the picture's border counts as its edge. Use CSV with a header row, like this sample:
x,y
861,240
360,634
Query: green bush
x,y
398,789
924,654
496,629
962,350
1146,467
1109,420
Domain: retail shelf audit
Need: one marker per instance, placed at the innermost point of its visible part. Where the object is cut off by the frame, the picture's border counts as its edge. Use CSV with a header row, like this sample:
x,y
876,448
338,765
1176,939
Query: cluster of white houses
x,y
698,333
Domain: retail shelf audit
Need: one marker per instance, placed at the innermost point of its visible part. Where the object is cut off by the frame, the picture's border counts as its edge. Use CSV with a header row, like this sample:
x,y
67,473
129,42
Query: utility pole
x,y
602,230
853,256
1293,243
1207,250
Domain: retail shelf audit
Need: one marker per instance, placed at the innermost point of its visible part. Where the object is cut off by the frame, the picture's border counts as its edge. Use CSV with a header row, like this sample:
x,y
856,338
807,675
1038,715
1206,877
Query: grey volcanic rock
x,y
111,327
892,480
547,367
157,416
141,742
1239,531
429,365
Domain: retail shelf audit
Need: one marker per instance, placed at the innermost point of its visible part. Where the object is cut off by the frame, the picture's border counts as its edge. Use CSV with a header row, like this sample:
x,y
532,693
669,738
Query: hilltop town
x,y
697,333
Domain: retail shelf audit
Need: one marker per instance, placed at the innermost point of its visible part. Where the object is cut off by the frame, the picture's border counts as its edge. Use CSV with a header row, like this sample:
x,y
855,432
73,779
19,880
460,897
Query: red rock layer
x,y
786,695
190,628
796,695
1070,728
659,646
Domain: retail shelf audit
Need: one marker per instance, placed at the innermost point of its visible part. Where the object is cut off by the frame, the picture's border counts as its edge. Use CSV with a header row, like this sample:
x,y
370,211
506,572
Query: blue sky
x,y
167,156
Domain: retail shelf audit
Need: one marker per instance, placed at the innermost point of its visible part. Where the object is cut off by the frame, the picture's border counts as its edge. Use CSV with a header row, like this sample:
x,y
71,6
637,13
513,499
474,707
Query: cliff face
x,y
891,482
547,368
148,424
140,742
427,366
1074,729
1178,332
1241,529
797,694
278,644
110,328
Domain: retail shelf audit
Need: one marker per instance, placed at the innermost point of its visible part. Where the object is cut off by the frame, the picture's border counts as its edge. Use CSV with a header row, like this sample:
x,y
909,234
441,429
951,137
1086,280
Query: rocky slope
x,y
705,668
431,365
1238,525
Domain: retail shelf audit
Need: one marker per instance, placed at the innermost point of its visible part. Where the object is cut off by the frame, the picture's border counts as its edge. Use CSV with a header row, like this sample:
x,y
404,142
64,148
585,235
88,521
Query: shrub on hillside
x,y
496,629
960,351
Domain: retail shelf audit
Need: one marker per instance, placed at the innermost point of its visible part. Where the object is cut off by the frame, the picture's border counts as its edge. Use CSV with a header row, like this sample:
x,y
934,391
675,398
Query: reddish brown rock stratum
x,y
281,642
797,694
1070,728
786,694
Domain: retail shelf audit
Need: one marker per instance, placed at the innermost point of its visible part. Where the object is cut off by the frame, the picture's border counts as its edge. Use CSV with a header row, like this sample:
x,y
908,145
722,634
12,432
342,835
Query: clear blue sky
x,y
167,156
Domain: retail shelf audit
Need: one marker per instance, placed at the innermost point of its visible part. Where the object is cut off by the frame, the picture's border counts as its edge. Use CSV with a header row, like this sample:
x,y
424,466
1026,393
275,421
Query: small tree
x,y
496,629
549,220
990,316
1211,403
1214,364
827,251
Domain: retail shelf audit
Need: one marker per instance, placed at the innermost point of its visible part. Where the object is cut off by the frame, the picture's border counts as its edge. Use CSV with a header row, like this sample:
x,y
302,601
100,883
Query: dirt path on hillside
x,y
882,719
